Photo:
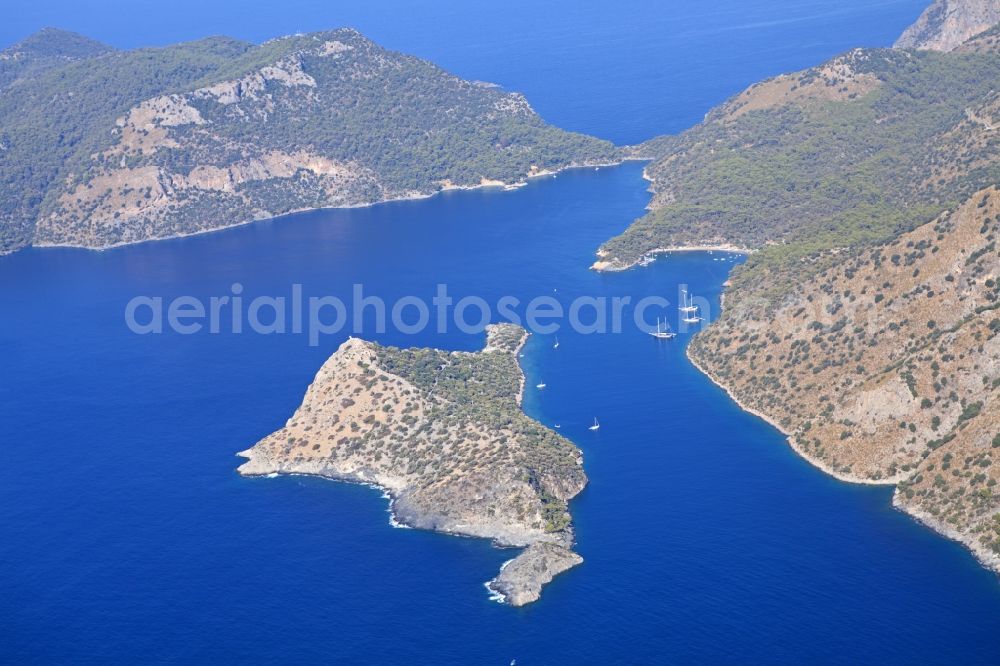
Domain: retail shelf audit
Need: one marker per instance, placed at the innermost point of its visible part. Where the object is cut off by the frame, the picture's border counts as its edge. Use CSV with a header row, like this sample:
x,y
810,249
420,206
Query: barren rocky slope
x,y
444,435
885,368
101,147
946,24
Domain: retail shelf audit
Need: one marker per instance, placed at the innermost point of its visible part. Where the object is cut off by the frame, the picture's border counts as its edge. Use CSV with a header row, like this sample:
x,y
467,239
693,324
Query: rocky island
x,y
444,435
866,323
101,147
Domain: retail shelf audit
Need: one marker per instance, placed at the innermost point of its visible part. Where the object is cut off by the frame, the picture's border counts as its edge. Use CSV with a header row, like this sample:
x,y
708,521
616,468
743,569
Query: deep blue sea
x,y
127,536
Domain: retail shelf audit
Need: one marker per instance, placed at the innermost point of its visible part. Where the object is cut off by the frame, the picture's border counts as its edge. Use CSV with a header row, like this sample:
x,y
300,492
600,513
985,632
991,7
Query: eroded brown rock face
x,y
885,368
444,435
174,168
947,24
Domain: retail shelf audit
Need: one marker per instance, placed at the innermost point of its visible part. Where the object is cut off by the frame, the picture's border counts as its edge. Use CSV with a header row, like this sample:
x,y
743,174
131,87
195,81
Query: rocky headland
x,y
521,580
444,435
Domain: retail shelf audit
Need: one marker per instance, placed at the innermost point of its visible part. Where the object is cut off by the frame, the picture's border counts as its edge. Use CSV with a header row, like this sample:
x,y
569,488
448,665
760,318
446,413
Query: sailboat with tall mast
x,y
662,331
689,309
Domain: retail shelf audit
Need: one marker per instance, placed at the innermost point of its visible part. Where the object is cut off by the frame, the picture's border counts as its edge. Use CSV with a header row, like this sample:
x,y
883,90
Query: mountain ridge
x,y
164,142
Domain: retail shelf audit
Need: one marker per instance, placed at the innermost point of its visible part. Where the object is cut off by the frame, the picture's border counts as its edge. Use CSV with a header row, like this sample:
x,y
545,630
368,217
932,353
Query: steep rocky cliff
x,y
946,24
101,147
444,435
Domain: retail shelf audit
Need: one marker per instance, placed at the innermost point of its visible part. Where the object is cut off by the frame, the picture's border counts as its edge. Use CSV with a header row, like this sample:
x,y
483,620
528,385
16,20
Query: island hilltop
x,y
444,435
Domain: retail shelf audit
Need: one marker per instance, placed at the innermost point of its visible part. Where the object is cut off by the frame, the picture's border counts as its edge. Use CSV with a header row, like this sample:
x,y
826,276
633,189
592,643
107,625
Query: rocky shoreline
x,y
970,539
615,265
417,196
986,558
443,436
818,464
520,580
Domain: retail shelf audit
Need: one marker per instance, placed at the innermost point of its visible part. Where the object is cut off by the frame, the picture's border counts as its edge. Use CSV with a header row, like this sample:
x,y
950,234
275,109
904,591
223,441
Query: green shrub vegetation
x,y
405,122
801,178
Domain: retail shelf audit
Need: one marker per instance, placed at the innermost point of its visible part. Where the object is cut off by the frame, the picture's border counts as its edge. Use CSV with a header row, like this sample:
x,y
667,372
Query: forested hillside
x,y
103,147
847,154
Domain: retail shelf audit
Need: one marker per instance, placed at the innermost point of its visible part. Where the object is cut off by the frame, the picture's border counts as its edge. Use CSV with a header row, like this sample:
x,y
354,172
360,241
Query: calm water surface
x,y
125,533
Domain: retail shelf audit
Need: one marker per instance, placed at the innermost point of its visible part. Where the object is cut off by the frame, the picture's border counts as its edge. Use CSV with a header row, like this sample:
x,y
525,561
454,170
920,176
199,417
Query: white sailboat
x,y
686,306
692,318
690,310
540,386
662,331
596,426
556,345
